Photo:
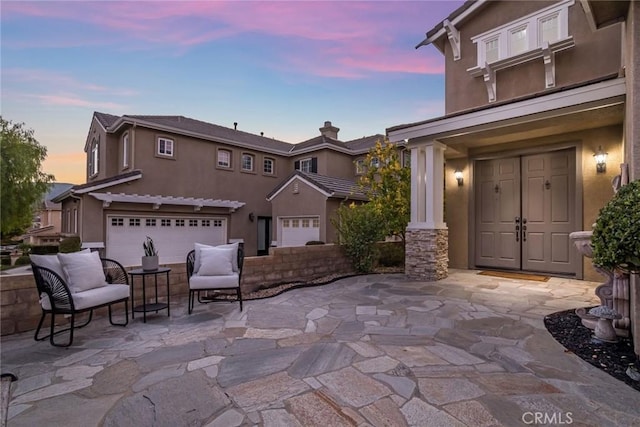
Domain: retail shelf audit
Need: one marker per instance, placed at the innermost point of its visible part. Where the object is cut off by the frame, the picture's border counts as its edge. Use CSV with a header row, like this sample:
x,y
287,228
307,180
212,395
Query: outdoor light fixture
x,y
251,217
601,160
458,175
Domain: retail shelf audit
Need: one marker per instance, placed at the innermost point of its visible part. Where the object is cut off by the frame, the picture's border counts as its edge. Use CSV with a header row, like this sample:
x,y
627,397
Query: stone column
x,y
427,245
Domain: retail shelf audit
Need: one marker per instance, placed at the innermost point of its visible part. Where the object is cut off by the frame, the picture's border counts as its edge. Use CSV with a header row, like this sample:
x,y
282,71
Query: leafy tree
x,y
358,227
23,182
387,184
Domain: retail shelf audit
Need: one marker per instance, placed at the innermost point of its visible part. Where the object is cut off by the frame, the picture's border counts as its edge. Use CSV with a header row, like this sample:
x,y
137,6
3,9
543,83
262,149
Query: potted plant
x,y
150,258
616,235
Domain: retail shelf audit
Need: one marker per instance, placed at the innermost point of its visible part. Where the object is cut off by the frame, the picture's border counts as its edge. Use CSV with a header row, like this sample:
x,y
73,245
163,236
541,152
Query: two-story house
x,y
180,181
47,220
536,93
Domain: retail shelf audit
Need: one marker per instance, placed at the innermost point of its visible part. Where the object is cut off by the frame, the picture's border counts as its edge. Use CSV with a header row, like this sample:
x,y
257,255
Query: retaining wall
x,y
20,309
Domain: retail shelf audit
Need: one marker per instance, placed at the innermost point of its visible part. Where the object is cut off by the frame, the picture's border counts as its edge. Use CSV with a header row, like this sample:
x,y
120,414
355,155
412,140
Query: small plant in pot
x,y
150,258
616,235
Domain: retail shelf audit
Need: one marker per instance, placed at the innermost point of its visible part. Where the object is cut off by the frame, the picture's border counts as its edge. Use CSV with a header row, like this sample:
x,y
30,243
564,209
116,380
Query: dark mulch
x,y
613,358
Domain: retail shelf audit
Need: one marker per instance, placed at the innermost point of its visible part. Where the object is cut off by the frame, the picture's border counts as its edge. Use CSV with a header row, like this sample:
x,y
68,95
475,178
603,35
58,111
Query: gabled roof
x,y
365,143
198,129
456,17
329,186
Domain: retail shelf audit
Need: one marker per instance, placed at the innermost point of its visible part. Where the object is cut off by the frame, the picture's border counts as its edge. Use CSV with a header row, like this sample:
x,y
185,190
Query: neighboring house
x,y
47,219
180,181
533,91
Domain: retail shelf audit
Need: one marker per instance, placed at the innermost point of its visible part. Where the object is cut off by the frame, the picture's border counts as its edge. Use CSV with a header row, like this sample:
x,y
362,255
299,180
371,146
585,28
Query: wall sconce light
x,y
251,217
601,160
459,178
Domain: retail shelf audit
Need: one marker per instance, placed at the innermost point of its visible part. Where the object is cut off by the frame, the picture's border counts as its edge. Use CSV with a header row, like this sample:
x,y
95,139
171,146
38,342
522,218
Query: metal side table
x,y
144,307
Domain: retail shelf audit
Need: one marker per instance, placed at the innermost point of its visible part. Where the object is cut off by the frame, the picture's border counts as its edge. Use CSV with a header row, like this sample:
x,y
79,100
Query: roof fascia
x,y
107,184
580,98
93,119
443,31
303,179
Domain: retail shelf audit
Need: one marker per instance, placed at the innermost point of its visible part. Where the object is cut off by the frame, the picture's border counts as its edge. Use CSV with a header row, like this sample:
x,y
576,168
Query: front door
x,y
264,235
525,209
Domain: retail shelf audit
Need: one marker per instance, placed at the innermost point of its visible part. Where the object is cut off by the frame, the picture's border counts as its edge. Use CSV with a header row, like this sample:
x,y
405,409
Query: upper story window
x,y
247,162
375,162
125,151
93,158
406,158
224,158
165,147
305,165
268,166
547,25
360,167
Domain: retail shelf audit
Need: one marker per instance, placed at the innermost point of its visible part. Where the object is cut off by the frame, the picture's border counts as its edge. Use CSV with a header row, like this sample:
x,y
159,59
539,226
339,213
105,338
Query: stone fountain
x,y
614,293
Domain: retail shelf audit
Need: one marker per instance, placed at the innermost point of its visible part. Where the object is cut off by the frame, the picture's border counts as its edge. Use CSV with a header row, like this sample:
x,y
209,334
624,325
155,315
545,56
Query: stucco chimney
x,y
329,130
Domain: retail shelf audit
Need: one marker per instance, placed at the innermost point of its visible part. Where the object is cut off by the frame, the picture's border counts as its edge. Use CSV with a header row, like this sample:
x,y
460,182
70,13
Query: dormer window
x,y
165,147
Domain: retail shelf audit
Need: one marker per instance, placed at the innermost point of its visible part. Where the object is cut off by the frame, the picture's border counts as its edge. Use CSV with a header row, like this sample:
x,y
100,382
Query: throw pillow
x,y
83,270
200,246
216,262
52,262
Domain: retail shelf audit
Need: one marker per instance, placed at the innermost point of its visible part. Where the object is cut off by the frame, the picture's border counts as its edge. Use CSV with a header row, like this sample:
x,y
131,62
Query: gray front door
x,y
525,209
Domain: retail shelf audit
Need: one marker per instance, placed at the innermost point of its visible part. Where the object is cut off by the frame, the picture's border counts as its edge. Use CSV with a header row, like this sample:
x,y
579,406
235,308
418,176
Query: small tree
x,y
387,184
23,182
358,228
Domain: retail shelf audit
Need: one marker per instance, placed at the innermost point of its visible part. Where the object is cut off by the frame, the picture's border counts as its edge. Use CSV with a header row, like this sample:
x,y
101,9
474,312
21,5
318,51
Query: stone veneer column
x,y
427,237
426,254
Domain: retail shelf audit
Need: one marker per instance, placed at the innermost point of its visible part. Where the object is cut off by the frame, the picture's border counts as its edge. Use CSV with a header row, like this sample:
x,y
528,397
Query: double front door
x,y
525,210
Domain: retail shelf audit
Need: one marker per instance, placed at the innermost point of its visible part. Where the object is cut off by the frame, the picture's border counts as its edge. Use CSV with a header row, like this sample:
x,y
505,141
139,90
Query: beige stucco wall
x,y
593,50
456,212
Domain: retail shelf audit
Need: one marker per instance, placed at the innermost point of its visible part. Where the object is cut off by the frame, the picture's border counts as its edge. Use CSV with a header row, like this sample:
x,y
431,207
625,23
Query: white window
x,y
305,223
305,165
375,162
267,166
548,29
206,223
193,223
518,41
217,223
117,222
550,24
93,158
179,222
125,151
492,50
285,223
150,222
75,220
134,222
224,158
295,223
316,223
406,158
165,223
360,169
165,147
247,162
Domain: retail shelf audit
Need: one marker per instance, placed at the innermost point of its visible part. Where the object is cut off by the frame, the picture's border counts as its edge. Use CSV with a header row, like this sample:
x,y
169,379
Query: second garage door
x,y
173,236
298,231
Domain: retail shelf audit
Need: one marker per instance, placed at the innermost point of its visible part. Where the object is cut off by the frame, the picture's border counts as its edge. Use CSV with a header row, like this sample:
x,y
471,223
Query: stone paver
x,y
375,350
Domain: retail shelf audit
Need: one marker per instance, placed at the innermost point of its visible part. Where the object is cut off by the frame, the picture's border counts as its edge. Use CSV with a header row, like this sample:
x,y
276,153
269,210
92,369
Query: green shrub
x,y
314,242
5,260
359,228
22,260
70,244
391,254
616,235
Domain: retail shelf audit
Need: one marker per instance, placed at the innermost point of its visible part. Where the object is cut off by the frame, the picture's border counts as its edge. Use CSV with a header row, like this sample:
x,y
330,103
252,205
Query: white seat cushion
x,y
214,282
93,297
52,262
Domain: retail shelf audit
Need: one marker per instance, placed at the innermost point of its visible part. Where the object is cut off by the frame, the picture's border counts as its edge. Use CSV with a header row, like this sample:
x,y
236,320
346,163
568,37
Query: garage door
x,y
299,231
173,236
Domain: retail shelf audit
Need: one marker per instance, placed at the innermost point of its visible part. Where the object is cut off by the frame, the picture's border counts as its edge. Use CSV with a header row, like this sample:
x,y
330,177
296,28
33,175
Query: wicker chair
x,y
57,299
198,284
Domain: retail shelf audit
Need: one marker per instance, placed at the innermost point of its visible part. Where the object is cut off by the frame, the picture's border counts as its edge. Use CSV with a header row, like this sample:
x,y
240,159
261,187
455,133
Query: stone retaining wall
x,y
20,309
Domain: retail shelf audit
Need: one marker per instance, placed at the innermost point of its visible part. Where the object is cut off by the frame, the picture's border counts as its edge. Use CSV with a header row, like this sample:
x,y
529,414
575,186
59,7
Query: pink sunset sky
x,y
282,68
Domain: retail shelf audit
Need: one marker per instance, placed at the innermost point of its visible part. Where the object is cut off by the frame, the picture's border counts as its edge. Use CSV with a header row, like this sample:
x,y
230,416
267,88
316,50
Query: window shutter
x,y
296,165
314,164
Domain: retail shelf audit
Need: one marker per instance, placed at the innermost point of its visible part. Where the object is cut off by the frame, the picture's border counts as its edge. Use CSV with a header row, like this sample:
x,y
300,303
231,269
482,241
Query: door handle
x,y
524,229
517,229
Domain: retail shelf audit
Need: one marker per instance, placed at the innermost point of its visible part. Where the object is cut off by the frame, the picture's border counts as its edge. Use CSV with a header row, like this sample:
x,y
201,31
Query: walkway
x,y
370,350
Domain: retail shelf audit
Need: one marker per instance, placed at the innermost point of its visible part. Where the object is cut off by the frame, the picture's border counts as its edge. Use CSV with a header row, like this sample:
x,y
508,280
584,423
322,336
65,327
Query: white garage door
x,y
173,236
298,231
